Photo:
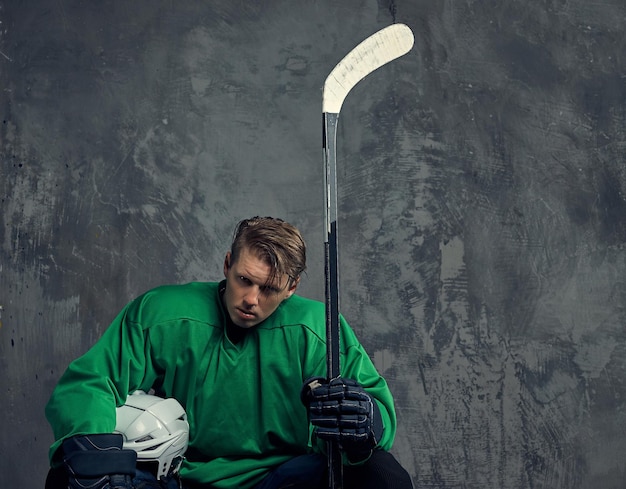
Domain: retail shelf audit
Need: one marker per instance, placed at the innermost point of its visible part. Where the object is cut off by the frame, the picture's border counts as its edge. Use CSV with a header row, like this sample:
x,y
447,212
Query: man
x,y
246,358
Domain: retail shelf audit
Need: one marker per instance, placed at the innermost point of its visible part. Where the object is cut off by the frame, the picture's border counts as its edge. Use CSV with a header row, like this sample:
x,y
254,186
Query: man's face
x,y
249,298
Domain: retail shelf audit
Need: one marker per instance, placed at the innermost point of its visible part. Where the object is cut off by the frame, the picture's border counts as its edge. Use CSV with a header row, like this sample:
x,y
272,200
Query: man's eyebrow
x,y
275,284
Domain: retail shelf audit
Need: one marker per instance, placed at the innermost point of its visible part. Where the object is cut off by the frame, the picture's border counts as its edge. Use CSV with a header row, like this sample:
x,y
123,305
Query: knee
x,y
381,471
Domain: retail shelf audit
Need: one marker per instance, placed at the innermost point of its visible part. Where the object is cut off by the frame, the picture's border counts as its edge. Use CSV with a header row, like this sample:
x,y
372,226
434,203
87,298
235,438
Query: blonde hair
x,y
273,240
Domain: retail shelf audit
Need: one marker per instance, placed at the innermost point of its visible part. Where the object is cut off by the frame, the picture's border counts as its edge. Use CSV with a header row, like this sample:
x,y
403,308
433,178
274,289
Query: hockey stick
x,y
375,51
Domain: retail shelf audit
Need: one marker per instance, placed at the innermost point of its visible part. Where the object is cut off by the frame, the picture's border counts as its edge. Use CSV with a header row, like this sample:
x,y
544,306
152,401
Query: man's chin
x,y
246,325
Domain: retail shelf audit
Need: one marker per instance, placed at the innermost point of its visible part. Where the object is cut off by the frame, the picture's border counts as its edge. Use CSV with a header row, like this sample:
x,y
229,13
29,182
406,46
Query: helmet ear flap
x,y
156,428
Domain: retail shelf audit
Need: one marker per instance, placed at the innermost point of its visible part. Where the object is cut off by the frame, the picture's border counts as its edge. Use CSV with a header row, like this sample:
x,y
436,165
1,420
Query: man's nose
x,y
252,296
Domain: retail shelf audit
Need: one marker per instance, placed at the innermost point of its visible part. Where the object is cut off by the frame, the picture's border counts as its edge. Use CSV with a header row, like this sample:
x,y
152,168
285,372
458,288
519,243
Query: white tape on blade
x,y
375,51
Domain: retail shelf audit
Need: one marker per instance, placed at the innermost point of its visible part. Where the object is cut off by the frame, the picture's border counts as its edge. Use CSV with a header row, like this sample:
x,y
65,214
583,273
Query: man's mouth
x,y
245,314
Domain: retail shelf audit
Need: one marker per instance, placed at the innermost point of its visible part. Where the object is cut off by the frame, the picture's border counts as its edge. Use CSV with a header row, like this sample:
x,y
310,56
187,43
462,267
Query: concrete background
x,y
482,203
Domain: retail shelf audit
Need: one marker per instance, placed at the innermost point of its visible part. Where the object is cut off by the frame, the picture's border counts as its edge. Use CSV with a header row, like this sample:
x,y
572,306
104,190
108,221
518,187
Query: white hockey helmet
x,y
155,428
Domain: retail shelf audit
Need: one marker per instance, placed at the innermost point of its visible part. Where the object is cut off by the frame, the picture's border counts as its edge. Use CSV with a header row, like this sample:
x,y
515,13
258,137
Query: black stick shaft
x,y
335,473
331,247
375,51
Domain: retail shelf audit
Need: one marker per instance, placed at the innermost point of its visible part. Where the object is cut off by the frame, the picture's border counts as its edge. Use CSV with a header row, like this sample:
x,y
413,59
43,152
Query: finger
x,y
325,408
327,393
355,407
326,422
349,422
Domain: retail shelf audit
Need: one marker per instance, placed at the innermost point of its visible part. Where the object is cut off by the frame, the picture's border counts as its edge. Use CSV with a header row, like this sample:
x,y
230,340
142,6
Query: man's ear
x,y
292,288
227,263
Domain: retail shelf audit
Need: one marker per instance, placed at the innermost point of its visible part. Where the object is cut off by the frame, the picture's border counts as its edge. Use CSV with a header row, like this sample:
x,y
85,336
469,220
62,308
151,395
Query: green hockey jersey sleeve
x,y
357,365
87,394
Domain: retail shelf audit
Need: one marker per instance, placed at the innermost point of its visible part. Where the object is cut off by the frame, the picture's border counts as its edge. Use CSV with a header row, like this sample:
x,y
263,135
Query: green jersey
x,y
242,399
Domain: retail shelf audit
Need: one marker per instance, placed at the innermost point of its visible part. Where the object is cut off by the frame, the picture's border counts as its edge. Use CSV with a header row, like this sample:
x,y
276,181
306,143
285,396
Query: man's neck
x,y
235,333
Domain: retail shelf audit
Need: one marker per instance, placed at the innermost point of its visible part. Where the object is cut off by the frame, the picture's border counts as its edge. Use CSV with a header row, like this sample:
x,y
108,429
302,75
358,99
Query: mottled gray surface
x,y
482,202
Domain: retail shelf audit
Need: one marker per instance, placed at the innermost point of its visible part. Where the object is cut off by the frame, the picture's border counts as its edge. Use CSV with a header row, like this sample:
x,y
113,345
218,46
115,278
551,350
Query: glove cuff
x,y
357,453
93,456
377,423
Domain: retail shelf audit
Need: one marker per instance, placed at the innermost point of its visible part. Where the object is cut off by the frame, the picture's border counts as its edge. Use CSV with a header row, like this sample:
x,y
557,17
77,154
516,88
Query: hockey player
x,y
246,359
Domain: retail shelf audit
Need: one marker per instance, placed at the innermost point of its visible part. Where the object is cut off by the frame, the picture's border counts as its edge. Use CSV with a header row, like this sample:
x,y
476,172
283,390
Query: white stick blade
x,y
377,50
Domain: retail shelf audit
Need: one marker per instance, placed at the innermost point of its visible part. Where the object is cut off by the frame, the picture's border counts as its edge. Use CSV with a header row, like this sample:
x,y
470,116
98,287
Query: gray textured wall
x,y
482,203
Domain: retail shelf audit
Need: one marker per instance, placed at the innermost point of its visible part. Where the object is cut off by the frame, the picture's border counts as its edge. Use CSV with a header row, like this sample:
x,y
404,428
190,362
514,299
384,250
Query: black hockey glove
x,y
342,412
98,462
